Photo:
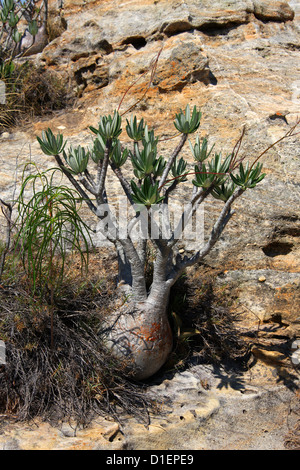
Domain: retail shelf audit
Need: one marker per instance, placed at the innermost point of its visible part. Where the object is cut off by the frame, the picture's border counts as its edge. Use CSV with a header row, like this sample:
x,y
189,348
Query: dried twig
x,y
6,209
152,67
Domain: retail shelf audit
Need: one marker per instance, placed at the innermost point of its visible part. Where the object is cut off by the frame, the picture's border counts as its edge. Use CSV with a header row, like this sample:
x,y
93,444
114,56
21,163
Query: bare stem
x,y
215,234
175,153
7,212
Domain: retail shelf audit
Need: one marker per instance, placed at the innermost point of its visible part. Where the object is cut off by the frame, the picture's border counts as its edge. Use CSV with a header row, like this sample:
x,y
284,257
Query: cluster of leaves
x,y
11,12
48,224
148,166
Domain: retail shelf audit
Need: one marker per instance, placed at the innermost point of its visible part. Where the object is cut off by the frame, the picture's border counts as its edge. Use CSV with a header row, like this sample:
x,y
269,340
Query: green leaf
x,y
50,144
200,150
16,36
147,194
178,170
203,178
98,149
109,127
77,159
224,191
119,156
13,20
33,27
248,178
135,131
48,223
187,123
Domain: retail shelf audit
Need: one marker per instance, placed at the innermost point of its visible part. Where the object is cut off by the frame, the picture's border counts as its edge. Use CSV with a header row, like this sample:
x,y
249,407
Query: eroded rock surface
x,y
203,408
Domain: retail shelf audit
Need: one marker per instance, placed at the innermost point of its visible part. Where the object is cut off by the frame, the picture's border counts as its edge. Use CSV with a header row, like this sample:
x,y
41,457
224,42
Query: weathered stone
x,y
273,11
181,62
101,435
217,411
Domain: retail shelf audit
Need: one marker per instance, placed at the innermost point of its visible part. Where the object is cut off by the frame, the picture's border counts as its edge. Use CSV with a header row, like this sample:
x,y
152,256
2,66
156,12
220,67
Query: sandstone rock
x,y
216,410
42,436
273,11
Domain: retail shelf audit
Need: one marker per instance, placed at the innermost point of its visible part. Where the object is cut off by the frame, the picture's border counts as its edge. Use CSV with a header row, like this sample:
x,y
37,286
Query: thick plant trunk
x,y
140,334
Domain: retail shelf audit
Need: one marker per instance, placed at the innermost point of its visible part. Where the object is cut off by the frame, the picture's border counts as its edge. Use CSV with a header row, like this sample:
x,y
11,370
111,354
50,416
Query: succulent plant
x,y
135,131
98,149
145,161
50,144
214,174
178,170
147,194
248,177
224,191
109,127
13,20
77,159
200,150
118,156
33,28
187,123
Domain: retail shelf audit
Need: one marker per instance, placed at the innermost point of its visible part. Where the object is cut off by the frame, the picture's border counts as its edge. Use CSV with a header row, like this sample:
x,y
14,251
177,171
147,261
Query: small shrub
x,y
31,91
79,379
49,225
43,91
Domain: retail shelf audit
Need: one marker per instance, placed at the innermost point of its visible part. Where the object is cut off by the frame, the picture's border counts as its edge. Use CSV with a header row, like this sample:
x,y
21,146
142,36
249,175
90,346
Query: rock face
x,y
203,408
238,62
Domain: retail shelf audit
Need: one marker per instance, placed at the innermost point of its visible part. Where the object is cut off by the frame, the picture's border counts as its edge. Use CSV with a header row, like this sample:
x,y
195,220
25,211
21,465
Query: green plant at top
x,y
200,150
109,127
214,174
178,170
188,123
11,14
49,225
149,180
145,161
147,194
153,178
211,173
77,159
119,155
50,144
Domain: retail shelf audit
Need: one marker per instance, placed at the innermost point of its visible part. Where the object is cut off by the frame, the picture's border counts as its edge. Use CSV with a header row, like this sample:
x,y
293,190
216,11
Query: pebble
x,y
4,135
262,279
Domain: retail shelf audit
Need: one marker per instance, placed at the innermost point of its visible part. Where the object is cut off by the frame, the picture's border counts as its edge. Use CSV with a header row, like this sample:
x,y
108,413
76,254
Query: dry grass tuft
x,y
206,311
32,91
78,378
